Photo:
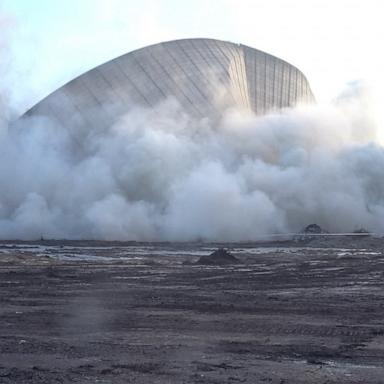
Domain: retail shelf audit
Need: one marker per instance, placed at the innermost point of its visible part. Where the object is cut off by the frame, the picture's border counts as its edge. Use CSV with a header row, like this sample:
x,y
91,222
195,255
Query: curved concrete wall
x,y
204,75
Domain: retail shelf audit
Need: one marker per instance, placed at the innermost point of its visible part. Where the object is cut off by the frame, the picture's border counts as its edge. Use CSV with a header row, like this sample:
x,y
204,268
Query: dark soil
x,y
219,257
310,315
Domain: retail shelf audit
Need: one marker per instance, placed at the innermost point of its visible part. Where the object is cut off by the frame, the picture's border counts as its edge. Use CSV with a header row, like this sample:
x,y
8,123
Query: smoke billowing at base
x,y
159,174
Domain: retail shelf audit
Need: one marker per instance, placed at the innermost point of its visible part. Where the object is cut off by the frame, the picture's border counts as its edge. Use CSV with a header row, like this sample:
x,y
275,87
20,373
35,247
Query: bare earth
x,y
91,312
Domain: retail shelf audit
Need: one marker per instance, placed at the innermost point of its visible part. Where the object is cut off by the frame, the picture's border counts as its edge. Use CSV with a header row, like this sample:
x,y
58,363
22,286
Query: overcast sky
x,y
45,43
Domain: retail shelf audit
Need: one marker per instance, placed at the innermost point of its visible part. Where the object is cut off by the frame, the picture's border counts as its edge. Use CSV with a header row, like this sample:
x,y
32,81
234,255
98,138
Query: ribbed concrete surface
x,y
204,75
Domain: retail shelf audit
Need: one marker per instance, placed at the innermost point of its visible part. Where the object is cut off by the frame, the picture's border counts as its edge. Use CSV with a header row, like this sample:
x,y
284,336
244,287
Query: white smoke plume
x,y
162,175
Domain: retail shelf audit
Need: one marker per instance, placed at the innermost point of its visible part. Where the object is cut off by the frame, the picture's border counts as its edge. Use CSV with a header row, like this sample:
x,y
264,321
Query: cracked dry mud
x,y
115,313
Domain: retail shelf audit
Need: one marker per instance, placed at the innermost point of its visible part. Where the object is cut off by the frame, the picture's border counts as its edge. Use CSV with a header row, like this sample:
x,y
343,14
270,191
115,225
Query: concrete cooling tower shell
x,y
205,76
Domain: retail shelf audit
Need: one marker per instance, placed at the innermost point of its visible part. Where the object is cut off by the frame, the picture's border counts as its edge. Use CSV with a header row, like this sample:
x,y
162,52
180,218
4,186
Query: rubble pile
x,y
313,228
310,232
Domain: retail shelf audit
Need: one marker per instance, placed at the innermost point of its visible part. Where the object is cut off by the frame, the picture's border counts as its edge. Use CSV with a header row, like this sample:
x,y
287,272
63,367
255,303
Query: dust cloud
x,y
159,174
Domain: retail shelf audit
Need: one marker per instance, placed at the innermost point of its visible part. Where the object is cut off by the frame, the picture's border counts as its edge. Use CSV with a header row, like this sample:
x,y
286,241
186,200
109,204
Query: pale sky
x,y
48,42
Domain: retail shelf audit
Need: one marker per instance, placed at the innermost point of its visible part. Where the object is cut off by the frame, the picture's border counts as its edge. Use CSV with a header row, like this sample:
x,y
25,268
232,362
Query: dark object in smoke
x,y
313,228
219,257
310,232
361,231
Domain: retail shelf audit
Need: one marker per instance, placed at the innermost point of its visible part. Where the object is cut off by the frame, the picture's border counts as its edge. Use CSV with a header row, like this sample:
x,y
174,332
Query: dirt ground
x,y
91,312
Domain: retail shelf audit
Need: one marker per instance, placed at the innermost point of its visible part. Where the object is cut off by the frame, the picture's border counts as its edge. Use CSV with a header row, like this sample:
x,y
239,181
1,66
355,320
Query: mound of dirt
x,y
219,257
309,233
313,228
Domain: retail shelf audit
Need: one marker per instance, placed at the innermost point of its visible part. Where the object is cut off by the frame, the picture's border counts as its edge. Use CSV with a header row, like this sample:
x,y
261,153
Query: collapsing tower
x,y
205,76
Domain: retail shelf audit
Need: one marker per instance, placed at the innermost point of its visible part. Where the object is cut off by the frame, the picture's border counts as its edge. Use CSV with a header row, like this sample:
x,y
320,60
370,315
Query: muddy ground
x,y
86,312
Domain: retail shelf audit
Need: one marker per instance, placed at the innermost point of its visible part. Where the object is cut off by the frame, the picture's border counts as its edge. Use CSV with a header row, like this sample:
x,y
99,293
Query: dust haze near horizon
x,y
159,174
162,175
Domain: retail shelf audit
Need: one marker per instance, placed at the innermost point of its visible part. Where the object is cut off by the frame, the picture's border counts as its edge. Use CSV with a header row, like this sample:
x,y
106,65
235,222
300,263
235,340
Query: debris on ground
x,y
361,232
310,232
219,257
313,229
295,314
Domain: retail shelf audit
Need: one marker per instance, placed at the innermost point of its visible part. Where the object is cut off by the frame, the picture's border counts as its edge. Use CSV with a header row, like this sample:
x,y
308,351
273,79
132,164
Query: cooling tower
x,y
205,76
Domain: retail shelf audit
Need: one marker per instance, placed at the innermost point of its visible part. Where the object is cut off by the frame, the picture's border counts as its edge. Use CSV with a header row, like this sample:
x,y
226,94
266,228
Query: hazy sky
x,y
48,42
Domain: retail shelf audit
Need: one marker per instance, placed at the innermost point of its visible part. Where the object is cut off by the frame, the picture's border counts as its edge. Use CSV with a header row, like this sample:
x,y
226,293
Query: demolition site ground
x,y
310,311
